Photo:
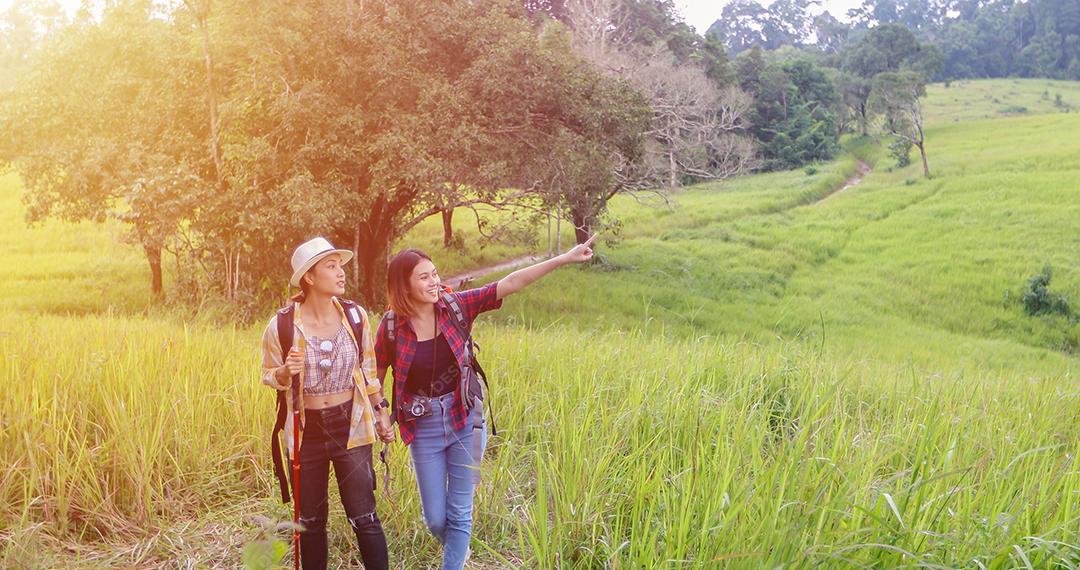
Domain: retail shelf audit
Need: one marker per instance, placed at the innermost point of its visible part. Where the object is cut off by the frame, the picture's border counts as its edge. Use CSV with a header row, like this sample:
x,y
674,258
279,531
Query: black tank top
x,y
433,355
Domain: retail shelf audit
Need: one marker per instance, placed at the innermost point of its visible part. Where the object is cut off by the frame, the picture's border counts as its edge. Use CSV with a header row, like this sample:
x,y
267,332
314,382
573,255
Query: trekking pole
x,y
296,465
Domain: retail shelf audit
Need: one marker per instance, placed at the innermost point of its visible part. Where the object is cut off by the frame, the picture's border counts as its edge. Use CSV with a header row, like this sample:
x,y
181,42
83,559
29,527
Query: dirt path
x,y
458,280
860,171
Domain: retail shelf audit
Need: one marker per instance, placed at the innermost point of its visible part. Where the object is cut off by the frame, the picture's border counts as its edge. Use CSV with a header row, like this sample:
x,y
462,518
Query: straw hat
x,y
311,252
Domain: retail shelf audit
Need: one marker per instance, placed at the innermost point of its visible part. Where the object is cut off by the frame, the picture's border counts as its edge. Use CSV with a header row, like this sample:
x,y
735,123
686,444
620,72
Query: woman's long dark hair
x,y
304,290
398,275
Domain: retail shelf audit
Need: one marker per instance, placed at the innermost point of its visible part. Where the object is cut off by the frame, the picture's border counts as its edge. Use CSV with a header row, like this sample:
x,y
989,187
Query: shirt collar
x,y
440,310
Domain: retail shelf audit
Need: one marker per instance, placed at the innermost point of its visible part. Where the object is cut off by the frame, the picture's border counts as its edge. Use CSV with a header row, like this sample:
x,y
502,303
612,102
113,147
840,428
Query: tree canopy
x,y
223,133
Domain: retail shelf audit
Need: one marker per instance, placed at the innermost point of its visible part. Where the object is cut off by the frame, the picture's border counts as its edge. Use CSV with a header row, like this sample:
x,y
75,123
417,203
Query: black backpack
x,y
285,336
472,375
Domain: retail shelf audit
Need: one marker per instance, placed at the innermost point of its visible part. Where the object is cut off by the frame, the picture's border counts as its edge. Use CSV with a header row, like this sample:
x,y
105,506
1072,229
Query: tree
x,y
997,38
744,24
896,95
873,12
1041,57
830,33
794,115
124,145
696,129
713,59
23,26
960,49
739,26
921,16
551,8
380,115
644,24
885,48
593,140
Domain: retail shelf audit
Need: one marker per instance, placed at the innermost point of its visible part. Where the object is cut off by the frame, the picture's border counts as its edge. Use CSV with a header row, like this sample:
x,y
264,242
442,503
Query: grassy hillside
x,y
755,379
969,100
899,267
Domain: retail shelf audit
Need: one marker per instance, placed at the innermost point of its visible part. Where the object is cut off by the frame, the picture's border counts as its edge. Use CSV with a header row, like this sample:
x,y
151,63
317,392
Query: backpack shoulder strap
x,y
285,338
391,335
388,318
285,329
471,348
455,309
356,317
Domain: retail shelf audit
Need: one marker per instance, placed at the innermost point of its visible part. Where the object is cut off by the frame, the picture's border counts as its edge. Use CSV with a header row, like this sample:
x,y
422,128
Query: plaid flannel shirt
x,y
399,355
362,422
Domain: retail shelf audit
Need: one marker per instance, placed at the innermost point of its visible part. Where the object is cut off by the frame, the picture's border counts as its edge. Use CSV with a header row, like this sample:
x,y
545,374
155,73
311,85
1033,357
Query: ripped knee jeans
x,y
326,434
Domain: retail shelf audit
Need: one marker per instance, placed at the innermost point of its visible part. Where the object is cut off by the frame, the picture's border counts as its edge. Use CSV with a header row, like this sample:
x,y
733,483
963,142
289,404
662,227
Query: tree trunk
x,y
211,90
153,257
673,178
582,223
925,165
371,259
375,234
447,227
202,16
558,234
549,234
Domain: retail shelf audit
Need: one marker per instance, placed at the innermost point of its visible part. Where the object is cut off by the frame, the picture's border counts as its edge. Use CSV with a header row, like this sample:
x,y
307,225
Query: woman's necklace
x,y
326,363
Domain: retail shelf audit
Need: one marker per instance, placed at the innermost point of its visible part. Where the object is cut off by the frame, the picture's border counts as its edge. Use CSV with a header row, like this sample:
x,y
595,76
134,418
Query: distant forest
x,y
976,38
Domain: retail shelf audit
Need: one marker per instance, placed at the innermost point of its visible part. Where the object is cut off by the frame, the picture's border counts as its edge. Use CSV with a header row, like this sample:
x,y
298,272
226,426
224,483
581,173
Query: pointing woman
x,y
425,338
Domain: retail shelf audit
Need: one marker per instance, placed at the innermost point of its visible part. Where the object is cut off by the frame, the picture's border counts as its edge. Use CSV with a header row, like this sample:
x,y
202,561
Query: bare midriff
x,y
320,401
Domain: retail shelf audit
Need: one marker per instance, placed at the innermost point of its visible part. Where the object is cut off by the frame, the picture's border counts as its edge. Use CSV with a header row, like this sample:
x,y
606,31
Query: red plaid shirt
x,y
399,355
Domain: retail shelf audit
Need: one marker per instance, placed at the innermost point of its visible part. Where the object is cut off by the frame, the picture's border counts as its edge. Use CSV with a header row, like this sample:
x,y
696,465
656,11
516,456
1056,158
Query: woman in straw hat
x,y
342,411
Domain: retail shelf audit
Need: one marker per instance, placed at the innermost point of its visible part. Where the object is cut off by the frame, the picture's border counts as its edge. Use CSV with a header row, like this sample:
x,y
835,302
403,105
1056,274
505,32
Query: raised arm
x,y
524,277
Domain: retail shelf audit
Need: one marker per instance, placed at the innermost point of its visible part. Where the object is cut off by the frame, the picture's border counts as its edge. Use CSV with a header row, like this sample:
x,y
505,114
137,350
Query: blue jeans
x,y
447,466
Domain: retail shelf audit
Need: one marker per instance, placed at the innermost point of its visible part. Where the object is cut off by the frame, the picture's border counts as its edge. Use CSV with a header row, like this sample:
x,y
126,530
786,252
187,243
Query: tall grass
x,y
615,449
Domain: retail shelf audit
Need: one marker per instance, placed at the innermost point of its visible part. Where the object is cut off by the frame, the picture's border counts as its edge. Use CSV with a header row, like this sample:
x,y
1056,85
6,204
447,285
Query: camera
x,y
419,407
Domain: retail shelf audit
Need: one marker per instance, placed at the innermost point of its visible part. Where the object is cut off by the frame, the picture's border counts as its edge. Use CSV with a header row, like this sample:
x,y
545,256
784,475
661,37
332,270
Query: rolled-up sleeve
x,y
271,355
479,300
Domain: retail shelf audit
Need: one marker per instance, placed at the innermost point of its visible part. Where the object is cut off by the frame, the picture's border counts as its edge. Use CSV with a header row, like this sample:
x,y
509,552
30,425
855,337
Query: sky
x,y
702,13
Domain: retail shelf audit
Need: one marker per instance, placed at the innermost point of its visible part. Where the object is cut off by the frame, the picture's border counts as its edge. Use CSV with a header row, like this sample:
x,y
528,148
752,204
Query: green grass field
x,y
755,379
968,100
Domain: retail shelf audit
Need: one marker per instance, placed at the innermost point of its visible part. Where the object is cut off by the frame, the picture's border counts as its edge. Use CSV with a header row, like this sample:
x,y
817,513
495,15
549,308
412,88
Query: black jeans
x,y
326,434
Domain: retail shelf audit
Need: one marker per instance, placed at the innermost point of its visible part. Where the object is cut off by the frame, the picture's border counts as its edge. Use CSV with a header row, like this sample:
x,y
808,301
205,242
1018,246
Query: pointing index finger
x,y
589,241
